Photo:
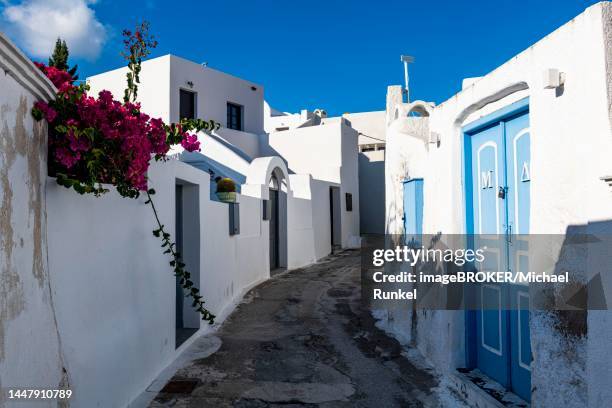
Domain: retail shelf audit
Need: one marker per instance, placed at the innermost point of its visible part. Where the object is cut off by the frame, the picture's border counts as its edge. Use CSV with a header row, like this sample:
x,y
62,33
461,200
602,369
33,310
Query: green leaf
x,y
37,114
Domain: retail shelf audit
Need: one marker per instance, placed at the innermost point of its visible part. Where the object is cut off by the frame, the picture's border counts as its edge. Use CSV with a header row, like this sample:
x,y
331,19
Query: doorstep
x,y
483,392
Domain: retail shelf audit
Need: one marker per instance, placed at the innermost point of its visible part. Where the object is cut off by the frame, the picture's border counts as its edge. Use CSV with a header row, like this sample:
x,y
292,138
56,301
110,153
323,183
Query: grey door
x,y
274,263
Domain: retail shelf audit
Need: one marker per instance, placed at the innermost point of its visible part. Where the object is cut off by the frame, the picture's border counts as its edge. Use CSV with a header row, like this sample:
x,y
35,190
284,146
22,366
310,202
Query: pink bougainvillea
x,y
101,139
94,140
59,77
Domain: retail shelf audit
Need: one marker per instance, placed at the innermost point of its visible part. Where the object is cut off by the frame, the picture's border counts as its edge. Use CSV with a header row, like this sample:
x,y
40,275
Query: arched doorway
x,y
277,222
269,179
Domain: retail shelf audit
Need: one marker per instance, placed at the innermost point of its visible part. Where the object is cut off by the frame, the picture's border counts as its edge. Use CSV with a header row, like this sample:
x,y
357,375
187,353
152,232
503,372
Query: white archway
x,y
268,177
260,173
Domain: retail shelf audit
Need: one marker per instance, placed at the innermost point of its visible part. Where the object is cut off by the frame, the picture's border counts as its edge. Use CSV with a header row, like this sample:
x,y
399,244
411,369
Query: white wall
x,y
370,125
115,290
321,217
245,141
215,89
371,129
349,183
571,146
301,238
328,153
161,80
298,147
153,91
30,345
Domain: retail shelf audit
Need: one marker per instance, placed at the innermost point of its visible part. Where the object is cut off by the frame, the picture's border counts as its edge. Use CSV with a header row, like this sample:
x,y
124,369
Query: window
x,y
234,218
234,116
267,213
349,202
187,104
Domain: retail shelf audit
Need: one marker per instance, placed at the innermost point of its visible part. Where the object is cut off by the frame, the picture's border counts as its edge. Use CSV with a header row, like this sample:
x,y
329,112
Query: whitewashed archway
x,y
268,178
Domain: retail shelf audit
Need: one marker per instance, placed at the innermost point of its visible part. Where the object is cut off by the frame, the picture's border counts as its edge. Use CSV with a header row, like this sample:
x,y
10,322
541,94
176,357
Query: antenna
x,y
406,59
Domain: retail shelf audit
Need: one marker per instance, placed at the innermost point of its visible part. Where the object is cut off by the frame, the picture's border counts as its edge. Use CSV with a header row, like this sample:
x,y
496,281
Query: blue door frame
x,y
497,341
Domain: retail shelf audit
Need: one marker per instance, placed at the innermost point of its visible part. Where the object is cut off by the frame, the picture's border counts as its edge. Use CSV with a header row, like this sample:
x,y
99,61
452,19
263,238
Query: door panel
x,y
520,366
518,158
413,210
488,175
518,155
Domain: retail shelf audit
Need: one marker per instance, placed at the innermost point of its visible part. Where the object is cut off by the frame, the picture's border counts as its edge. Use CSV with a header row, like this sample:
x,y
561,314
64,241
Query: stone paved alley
x,y
302,339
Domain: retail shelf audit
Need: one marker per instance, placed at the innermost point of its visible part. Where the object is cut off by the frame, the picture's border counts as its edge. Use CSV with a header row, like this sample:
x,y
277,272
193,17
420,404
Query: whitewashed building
x,y
172,87
85,274
524,149
370,128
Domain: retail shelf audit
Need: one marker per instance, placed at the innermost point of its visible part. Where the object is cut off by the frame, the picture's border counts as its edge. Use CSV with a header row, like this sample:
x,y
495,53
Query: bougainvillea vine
x,y
96,141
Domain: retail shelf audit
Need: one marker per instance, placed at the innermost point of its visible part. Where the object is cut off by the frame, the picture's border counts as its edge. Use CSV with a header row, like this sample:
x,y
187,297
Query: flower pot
x,y
226,197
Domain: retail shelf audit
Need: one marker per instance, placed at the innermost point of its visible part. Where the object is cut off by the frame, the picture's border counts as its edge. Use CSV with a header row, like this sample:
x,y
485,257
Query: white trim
x,y
518,308
517,255
14,63
482,146
520,134
497,351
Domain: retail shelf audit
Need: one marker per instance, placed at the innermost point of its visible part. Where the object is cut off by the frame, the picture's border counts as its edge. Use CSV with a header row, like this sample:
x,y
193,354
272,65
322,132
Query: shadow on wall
x,y
266,150
572,337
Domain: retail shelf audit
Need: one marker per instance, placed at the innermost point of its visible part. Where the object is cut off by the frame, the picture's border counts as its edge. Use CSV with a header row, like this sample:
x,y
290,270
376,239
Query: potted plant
x,y
226,189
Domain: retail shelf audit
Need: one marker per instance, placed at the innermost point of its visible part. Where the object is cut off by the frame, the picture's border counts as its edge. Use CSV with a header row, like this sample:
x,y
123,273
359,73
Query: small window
x,y
187,104
234,116
349,202
267,213
234,218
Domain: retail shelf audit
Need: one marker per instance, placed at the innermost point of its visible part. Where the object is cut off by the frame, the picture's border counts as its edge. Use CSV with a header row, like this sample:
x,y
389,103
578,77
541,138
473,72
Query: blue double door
x,y
498,170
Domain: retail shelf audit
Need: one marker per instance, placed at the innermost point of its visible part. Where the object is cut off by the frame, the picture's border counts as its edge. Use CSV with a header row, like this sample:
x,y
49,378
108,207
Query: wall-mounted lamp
x,y
189,84
434,138
552,78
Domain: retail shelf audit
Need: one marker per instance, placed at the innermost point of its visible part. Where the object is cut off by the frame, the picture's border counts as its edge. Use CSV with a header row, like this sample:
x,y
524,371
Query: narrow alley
x,y
303,339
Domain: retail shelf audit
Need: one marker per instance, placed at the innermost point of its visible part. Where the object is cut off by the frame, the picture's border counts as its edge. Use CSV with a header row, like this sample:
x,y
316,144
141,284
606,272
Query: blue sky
x,y
336,55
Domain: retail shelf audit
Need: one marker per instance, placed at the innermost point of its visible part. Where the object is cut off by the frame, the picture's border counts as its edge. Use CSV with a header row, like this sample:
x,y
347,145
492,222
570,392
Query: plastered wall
x,y
571,146
30,343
